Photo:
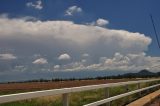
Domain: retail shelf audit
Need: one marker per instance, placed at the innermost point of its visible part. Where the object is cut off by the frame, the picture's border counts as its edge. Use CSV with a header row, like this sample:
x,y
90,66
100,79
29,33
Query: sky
x,y
40,38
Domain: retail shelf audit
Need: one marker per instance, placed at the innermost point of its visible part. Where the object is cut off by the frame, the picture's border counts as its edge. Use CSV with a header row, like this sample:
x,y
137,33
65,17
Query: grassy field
x,y
78,98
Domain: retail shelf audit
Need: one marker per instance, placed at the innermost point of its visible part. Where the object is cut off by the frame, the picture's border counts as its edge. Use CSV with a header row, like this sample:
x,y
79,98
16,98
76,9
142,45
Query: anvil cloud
x,y
52,38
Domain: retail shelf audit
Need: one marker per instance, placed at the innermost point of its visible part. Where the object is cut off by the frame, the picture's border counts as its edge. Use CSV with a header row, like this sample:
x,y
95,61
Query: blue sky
x,y
71,35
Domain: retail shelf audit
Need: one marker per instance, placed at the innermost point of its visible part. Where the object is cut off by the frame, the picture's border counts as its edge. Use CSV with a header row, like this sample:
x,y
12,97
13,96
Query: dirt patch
x,y
53,85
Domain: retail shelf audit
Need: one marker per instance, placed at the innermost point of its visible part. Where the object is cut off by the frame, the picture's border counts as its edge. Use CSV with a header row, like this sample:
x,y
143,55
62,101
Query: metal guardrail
x,y
66,91
119,96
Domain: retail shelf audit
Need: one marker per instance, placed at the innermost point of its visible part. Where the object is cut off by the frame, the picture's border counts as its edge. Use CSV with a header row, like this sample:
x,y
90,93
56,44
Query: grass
x,y
81,98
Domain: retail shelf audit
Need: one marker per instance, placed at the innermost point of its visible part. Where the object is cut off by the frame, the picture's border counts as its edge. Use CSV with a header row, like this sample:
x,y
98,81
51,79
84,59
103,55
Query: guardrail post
x,y
139,86
157,83
107,96
65,99
148,91
126,90
158,86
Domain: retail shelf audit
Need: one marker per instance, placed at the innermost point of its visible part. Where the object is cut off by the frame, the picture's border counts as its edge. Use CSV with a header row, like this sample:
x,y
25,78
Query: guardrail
x,y
119,96
66,91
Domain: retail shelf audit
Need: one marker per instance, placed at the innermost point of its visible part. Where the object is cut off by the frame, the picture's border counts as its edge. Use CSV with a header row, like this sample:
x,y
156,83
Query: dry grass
x,y
34,86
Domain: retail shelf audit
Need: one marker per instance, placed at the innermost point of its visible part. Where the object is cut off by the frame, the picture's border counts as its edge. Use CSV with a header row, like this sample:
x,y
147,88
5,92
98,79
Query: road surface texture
x,y
146,100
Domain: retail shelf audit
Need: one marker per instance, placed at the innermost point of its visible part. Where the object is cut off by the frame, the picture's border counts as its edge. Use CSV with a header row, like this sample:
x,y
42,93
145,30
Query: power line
x,y
155,31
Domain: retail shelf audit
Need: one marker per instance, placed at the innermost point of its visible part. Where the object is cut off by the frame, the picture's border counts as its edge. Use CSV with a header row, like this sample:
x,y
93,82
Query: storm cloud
x,y
58,40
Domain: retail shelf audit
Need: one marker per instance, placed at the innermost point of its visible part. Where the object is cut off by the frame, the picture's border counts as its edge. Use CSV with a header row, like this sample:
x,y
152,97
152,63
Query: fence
x,y
66,91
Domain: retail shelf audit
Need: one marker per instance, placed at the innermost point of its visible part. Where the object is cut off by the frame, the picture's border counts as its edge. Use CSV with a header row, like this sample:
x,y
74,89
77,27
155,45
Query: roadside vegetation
x,y
85,97
81,98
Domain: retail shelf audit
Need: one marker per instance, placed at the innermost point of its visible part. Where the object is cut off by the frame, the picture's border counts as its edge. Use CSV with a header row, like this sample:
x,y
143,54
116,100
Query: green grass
x,y
81,98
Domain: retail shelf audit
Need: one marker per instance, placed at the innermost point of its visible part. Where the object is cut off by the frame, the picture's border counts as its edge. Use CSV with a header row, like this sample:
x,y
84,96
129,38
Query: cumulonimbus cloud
x,y
51,38
81,35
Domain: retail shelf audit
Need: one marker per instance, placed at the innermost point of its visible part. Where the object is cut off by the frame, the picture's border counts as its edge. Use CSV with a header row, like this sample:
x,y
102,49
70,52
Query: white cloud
x,y
119,62
74,66
53,37
132,62
99,22
37,5
64,57
40,61
73,10
7,56
90,38
102,22
56,67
